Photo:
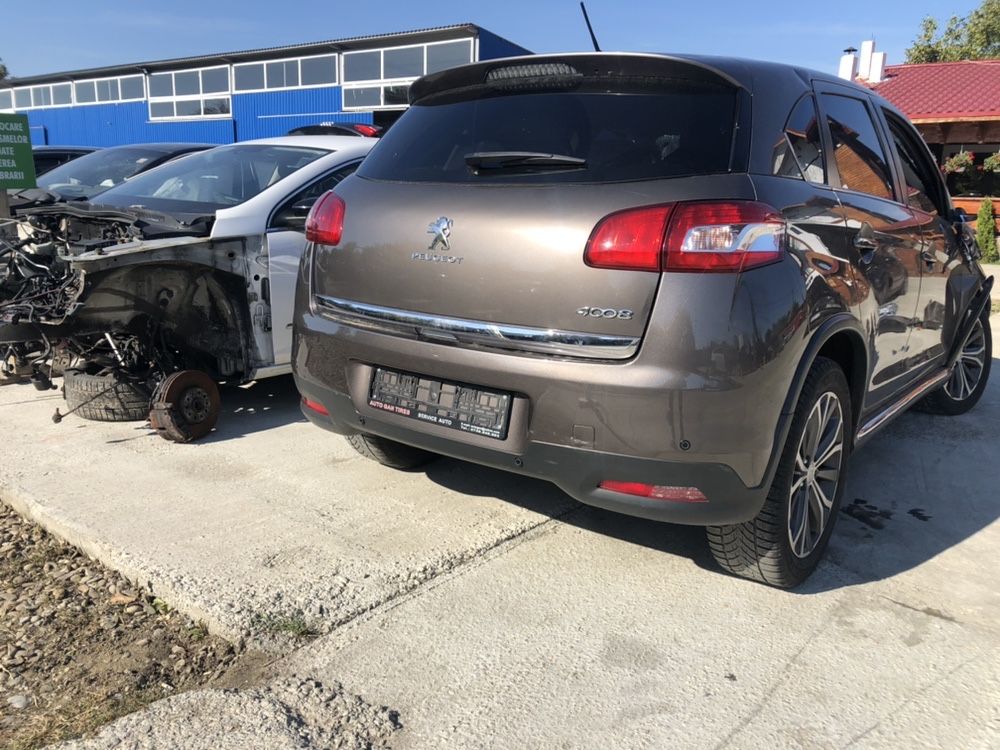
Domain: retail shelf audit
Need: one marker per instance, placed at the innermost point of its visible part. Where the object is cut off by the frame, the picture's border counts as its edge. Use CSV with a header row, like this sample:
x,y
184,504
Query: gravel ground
x,y
80,645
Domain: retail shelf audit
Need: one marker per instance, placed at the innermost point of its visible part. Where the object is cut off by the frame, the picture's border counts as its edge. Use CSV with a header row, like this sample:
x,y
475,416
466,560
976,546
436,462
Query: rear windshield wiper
x,y
482,161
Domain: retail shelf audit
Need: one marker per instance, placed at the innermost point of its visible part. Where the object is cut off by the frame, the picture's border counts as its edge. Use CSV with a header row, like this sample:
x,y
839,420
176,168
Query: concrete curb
x,y
86,541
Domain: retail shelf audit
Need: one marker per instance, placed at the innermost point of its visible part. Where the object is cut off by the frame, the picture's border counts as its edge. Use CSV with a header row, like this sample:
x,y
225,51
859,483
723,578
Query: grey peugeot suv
x,y
681,288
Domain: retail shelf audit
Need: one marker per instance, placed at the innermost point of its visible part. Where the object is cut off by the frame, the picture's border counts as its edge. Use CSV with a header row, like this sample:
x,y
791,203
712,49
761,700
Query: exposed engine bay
x,y
134,293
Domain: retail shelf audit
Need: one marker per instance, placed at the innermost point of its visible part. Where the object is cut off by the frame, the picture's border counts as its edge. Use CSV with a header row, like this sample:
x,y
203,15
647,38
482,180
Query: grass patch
x,y
295,625
91,714
198,632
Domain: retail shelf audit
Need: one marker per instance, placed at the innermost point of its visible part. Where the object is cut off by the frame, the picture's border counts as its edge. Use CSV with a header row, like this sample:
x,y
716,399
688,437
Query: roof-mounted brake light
x,y
534,76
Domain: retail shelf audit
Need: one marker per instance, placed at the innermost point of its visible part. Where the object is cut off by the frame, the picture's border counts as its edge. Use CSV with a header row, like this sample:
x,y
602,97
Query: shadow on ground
x,y
261,405
922,486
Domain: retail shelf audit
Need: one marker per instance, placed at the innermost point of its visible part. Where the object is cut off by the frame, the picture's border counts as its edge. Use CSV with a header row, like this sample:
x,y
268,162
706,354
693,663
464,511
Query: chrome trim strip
x,y
896,407
461,332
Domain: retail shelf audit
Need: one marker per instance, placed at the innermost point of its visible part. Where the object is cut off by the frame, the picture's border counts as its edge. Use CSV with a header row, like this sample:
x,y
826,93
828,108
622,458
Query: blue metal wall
x,y
256,115
114,124
492,46
271,113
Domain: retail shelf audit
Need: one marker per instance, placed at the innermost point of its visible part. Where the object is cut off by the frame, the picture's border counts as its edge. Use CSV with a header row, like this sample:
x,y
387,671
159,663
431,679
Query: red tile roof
x,y
966,90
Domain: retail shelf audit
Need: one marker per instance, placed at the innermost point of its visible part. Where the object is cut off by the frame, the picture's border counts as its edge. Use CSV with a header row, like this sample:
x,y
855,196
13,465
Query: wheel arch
x,y
204,307
841,339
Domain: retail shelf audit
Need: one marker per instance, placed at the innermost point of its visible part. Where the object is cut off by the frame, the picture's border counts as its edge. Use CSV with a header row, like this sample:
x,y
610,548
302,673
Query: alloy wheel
x,y
816,474
968,370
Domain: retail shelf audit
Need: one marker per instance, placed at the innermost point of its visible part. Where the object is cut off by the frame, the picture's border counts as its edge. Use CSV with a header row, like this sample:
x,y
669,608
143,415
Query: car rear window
x,y
686,129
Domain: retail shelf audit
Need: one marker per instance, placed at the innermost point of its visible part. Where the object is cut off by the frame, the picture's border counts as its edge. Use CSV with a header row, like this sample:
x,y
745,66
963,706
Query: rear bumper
x,y
576,471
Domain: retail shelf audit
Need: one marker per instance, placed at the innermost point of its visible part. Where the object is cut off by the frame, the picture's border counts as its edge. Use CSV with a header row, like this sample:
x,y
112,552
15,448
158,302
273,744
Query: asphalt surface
x,y
472,608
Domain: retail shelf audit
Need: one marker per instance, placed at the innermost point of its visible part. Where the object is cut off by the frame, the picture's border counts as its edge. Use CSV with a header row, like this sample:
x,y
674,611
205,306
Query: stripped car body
x,y
150,290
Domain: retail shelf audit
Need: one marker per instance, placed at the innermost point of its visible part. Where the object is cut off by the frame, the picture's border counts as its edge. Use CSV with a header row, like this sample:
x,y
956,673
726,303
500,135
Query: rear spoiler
x,y
565,67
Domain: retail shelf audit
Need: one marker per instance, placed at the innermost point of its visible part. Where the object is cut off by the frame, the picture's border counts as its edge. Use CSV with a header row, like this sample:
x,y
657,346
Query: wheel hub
x,y
816,475
194,405
968,370
185,407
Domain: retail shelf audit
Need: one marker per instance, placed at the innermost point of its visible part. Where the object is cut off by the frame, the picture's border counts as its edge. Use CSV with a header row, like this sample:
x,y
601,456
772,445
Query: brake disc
x,y
185,406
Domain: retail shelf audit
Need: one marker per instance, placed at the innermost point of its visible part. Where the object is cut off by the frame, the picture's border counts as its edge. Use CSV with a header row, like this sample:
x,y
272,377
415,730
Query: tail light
x,y
325,223
370,131
629,240
656,491
701,236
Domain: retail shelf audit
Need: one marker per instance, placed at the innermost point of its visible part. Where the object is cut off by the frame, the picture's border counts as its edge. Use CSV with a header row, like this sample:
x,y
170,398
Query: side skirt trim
x,y
897,407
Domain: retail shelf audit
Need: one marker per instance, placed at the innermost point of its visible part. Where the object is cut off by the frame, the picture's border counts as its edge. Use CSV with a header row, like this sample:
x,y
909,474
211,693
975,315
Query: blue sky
x,y
66,35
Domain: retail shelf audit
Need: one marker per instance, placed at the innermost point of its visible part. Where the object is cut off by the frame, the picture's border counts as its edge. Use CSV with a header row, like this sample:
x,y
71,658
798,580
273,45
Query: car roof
x,y
330,142
82,149
164,148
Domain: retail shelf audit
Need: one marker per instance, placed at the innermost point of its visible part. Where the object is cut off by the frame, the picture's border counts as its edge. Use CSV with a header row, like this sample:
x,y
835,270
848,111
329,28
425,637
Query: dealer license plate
x,y
461,407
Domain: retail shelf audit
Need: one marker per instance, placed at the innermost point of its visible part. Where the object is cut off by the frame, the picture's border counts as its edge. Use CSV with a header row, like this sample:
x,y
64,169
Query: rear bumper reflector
x,y
315,406
656,491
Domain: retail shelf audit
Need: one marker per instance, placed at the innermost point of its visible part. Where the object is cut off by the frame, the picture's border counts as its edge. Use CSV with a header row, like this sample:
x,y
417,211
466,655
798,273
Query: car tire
x,y
106,397
960,392
389,452
784,543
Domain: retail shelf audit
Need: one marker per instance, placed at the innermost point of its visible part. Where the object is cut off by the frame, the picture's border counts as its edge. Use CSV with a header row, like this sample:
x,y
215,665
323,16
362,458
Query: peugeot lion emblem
x,y
441,229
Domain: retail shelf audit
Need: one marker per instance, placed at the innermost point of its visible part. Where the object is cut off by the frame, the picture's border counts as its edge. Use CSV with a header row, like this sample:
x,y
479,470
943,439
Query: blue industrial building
x,y
235,96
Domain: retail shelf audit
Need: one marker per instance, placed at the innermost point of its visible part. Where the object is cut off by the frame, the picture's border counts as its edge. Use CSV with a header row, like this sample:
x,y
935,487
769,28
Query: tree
x,y
3,70
974,37
986,231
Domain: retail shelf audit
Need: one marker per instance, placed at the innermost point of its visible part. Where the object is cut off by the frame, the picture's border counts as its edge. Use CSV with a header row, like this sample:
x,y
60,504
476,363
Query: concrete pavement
x,y
491,610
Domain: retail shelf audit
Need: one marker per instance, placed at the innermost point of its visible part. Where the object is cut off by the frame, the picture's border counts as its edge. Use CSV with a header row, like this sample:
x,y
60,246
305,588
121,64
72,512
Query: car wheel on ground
x,y
783,544
968,379
105,397
389,452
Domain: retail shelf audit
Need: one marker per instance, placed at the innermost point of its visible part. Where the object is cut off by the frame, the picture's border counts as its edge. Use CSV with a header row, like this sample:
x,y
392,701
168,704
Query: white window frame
x,y
31,99
73,102
382,83
298,65
5,110
200,97
72,93
142,98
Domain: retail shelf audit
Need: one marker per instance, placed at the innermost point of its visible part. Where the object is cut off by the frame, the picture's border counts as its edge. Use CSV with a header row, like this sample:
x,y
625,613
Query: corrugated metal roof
x,y
969,89
331,45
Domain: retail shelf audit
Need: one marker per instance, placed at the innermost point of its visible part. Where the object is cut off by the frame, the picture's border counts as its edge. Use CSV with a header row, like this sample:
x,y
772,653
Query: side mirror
x,y
294,216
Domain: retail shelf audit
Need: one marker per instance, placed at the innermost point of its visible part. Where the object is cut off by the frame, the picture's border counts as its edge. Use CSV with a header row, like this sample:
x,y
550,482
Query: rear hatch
x,y
478,203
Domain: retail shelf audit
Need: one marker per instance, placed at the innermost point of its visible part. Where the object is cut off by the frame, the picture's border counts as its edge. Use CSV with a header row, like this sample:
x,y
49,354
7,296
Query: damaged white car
x,y
179,278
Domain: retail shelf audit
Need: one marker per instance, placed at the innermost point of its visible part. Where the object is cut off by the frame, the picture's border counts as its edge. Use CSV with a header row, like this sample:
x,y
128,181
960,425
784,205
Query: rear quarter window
x,y
799,151
672,132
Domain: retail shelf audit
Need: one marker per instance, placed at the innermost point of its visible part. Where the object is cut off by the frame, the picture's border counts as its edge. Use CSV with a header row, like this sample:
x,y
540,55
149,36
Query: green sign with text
x,y
17,165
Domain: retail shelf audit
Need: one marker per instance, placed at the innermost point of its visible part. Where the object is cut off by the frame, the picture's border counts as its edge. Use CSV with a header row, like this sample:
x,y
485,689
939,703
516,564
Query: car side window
x,y
921,184
857,151
799,152
293,212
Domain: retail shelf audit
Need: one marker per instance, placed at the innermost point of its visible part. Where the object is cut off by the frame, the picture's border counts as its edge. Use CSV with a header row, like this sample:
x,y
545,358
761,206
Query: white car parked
x,y
180,277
